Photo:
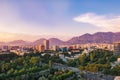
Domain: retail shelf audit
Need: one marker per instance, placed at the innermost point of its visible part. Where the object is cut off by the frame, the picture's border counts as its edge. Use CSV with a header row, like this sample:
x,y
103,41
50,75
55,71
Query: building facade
x,y
116,48
46,44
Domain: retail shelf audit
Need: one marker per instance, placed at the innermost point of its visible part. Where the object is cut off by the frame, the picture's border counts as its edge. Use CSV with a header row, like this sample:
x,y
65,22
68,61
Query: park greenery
x,y
35,66
99,61
32,66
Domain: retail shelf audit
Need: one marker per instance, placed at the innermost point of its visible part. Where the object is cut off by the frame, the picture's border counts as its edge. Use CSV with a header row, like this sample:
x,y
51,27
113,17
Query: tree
x,y
19,61
18,78
16,72
45,66
92,56
113,58
50,77
82,74
10,71
82,58
42,78
71,63
50,64
33,60
101,61
5,67
81,68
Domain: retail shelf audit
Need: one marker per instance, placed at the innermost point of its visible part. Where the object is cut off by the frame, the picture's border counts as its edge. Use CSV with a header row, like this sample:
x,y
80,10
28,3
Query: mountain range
x,y
99,37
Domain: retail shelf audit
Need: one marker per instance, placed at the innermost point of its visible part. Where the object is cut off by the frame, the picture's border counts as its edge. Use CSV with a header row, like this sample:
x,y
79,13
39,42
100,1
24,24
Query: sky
x,y
33,19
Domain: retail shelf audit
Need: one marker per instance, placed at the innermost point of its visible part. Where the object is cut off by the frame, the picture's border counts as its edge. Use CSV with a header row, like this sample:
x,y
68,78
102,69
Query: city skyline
x,y
64,19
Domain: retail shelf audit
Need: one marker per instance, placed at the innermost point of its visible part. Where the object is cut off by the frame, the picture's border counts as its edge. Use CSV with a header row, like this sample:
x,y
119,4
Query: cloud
x,y
105,22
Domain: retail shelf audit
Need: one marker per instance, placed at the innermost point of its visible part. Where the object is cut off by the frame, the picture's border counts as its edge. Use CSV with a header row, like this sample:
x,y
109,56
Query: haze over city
x,y
59,40
64,19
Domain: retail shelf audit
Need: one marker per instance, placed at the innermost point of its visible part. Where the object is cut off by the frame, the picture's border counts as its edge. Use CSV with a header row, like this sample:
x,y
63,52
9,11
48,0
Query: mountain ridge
x,y
98,37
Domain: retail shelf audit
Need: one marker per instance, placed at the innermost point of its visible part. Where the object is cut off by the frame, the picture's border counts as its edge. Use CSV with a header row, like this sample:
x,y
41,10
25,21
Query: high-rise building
x,y
46,44
40,48
55,48
117,48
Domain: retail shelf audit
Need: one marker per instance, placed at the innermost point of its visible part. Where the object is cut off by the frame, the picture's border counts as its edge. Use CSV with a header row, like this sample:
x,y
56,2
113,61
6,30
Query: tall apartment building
x,y
46,44
116,48
40,48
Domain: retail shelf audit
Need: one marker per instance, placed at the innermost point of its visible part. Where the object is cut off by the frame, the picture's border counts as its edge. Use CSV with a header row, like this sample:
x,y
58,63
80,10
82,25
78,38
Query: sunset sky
x,y
33,19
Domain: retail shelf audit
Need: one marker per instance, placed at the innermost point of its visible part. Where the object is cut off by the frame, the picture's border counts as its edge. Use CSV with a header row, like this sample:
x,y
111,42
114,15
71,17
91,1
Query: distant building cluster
x,y
43,47
94,45
20,50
